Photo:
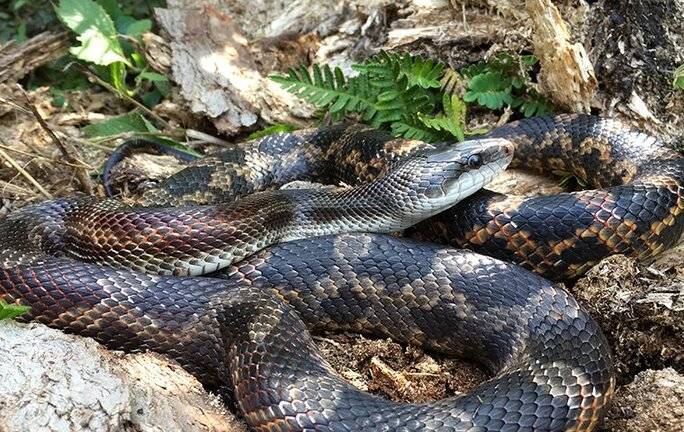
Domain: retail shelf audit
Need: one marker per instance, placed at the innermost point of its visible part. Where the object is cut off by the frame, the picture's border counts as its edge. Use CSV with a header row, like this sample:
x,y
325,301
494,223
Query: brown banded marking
x,y
561,236
280,380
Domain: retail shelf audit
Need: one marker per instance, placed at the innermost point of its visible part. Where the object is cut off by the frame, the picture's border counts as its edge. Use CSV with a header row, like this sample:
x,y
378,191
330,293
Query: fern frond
x,y
325,88
490,89
395,100
453,120
385,67
532,104
452,82
410,127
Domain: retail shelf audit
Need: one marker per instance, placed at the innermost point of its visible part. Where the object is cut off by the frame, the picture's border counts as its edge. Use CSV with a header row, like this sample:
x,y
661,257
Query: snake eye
x,y
475,161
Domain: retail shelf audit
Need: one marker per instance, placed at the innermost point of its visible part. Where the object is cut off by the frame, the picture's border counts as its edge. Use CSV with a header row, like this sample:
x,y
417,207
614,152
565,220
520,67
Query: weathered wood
x,y
214,68
18,59
567,76
58,382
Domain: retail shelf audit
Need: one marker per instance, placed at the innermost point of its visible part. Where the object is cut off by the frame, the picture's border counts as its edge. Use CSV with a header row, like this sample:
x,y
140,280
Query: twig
x,y
15,189
92,144
24,173
127,135
80,173
127,98
14,105
205,138
81,164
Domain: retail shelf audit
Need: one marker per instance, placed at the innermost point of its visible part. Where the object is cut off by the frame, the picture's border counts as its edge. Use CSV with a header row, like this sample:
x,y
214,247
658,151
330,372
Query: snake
x,y
636,206
129,275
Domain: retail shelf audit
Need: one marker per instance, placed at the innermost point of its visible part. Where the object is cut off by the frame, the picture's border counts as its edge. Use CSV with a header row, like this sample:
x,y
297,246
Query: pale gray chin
x,y
472,181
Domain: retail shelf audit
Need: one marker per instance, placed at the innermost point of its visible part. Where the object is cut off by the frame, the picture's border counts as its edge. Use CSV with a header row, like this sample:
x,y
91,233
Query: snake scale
x,y
246,327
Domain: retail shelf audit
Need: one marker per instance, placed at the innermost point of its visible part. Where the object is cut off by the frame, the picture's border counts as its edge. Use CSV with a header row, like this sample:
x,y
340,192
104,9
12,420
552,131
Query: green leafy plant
x,y
132,123
9,311
678,81
415,97
505,81
399,91
109,34
107,37
270,130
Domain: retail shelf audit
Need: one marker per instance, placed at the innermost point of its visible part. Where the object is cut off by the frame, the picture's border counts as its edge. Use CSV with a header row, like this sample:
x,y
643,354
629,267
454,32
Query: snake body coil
x,y
637,210
551,365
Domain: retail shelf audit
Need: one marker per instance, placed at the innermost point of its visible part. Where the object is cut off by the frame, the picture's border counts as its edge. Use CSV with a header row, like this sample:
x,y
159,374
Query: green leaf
x,y
161,82
532,105
95,30
136,28
490,89
117,73
130,122
58,98
326,88
138,60
678,81
385,68
153,76
270,130
21,32
151,98
112,8
17,4
410,127
9,311
453,120
176,145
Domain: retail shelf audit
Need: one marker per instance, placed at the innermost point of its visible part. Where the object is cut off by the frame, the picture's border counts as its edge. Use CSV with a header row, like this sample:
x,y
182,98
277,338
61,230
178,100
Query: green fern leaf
x,y
410,127
453,120
324,88
384,68
532,104
490,89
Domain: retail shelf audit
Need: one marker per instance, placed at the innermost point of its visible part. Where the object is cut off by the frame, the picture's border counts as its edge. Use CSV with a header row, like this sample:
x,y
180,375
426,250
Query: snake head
x,y
443,176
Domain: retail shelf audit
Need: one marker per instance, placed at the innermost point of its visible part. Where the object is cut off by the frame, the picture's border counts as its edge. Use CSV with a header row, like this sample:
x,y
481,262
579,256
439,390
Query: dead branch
x,y
17,60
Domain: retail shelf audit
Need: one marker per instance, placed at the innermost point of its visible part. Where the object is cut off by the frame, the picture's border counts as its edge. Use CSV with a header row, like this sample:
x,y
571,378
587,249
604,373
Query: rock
x,y
653,402
57,382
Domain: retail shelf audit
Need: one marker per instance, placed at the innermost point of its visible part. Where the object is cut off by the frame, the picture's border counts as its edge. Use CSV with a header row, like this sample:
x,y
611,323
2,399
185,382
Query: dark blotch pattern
x,y
551,364
639,212
638,209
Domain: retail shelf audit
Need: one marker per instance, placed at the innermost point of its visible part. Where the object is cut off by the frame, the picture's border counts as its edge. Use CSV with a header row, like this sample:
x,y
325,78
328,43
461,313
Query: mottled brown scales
x,y
553,163
544,350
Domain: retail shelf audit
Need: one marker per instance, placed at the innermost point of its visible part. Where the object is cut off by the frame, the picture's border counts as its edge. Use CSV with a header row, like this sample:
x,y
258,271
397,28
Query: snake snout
x,y
458,171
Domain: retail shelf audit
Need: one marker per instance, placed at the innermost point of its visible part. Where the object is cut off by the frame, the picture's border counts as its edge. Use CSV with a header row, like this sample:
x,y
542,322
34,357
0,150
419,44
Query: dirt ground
x,y
640,306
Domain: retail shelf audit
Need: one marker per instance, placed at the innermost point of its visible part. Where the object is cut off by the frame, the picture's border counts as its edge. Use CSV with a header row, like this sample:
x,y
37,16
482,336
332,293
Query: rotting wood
x,y
99,390
567,76
17,60
212,64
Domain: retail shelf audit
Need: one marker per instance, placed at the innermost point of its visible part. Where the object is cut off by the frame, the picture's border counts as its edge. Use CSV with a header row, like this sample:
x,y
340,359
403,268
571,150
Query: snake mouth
x,y
471,166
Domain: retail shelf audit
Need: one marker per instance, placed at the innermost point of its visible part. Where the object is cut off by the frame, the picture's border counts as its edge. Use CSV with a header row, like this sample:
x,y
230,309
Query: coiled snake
x,y
246,327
